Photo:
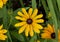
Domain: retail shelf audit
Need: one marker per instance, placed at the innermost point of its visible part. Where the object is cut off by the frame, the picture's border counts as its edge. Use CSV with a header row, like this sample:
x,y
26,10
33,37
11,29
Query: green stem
x,y
39,3
10,14
9,36
34,4
21,1
50,4
45,6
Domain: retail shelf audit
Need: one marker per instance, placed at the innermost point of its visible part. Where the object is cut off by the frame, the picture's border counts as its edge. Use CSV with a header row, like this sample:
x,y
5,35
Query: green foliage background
x,y
7,14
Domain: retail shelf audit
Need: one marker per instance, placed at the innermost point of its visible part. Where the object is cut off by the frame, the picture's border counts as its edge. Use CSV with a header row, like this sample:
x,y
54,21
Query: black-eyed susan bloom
x,y
2,2
2,33
49,33
29,22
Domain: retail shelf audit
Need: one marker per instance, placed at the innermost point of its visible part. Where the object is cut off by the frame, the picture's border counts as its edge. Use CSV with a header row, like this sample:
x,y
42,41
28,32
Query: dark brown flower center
x,y
53,35
29,21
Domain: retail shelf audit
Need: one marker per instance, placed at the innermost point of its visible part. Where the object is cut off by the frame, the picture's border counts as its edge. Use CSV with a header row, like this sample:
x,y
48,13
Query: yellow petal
x,y
25,13
2,37
1,27
46,31
39,16
34,13
31,31
19,24
5,1
22,29
38,26
36,30
50,28
3,31
19,13
1,3
27,30
39,21
20,18
45,35
59,34
59,41
30,11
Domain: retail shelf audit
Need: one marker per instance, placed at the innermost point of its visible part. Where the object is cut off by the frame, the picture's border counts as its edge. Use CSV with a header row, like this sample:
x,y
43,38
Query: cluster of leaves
x,y
8,12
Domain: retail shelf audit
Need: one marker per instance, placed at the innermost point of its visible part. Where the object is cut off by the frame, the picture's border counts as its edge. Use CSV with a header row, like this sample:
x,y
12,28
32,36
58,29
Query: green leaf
x,y
33,38
20,37
56,9
58,2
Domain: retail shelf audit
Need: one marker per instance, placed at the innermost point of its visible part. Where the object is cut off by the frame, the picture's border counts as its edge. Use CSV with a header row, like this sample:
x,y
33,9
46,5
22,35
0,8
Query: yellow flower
x,y
49,33
29,22
2,32
2,2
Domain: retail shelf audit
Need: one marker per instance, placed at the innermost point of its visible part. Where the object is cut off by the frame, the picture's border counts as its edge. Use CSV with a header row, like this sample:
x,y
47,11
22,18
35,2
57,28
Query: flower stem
x,y
21,1
34,4
45,6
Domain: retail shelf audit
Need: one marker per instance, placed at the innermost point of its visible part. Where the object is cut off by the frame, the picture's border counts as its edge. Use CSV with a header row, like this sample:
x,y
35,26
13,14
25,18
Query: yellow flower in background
x,y
2,33
29,22
49,33
2,2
